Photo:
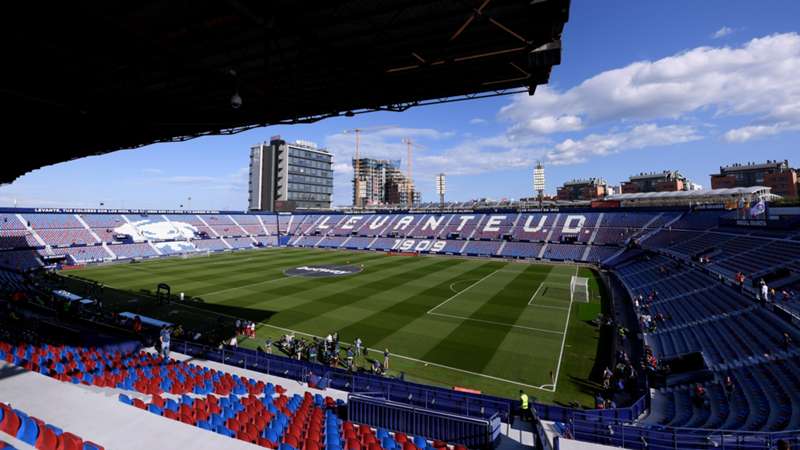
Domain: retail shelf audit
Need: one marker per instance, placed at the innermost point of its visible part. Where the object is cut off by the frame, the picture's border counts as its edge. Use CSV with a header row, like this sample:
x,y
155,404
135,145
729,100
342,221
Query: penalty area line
x,y
453,297
535,293
530,302
542,330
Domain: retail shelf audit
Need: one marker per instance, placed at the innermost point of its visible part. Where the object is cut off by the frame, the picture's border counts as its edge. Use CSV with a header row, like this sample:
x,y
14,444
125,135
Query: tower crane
x,y
357,166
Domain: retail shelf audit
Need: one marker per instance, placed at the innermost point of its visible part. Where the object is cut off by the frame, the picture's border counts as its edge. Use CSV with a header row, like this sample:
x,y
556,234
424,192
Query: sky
x,y
643,86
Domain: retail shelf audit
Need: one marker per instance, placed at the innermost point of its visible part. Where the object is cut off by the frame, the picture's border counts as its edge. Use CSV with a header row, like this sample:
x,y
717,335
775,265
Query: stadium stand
x,y
20,260
481,248
81,254
240,242
521,250
133,250
210,244
249,223
332,241
36,433
221,225
718,357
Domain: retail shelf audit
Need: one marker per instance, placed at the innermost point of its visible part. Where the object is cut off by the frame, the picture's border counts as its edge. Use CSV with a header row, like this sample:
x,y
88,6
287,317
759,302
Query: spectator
x,y
764,291
137,324
783,445
786,341
740,281
699,395
599,401
728,386
165,338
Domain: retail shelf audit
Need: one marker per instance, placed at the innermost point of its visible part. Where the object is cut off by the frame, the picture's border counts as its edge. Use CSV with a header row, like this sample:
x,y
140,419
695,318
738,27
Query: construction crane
x,y
410,144
357,167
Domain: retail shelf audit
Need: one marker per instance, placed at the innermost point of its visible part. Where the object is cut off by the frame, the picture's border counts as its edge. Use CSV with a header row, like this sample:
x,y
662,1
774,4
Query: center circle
x,y
323,270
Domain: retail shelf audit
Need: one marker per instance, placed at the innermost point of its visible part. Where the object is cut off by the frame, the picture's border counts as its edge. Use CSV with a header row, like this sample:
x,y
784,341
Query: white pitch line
x,y
456,282
563,339
560,308
535,293
530,302
379,351
495,323
461,292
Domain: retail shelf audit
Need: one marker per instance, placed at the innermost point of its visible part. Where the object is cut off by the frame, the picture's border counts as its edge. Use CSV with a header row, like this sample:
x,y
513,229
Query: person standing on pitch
x,y
357,343
385,359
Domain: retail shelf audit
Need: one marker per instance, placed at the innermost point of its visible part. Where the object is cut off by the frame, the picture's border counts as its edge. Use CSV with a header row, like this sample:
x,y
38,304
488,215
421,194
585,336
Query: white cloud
x,y
722,32
476,156
572,151
477,121
750,132
152,171
758,79
501,152
550,124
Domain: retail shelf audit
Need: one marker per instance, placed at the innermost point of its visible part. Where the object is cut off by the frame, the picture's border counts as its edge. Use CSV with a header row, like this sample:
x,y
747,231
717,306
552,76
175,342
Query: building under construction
x,y
381,182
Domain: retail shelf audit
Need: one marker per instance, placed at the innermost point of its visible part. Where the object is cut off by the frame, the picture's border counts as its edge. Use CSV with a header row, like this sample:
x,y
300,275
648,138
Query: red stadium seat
x,y
68,441
47,439
11,423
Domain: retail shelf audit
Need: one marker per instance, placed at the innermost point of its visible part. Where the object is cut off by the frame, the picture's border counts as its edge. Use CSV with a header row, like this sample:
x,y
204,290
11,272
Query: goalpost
x,y
198,253
579,289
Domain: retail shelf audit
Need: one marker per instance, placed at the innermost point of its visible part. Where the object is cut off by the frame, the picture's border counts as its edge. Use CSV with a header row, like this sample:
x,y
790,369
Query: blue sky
x,y
643,86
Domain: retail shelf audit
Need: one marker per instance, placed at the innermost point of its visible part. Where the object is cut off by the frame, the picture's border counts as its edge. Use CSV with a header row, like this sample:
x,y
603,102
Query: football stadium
x,y
652,315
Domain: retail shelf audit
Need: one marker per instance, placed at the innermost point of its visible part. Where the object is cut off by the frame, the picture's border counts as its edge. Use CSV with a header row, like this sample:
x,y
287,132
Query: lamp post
x,y
441,188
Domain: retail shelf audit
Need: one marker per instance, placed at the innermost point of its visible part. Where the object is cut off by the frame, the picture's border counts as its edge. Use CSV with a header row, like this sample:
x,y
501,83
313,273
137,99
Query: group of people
x,y
648,321
246,328
329,351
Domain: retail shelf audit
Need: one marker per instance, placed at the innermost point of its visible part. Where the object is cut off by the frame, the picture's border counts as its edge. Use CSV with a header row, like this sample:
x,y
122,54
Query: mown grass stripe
x,y
381,325
482,338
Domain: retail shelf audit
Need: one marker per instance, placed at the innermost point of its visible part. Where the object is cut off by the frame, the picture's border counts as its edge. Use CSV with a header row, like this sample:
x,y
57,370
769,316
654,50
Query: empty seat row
x,y
38,434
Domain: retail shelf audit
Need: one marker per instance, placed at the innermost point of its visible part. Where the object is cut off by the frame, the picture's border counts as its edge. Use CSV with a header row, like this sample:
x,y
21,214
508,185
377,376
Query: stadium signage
x,y
453,223
122,211
319,271
413,245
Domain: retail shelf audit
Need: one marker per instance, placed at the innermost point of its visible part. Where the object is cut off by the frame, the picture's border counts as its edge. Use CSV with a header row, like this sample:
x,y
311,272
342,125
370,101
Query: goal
x,y
198,253
579,289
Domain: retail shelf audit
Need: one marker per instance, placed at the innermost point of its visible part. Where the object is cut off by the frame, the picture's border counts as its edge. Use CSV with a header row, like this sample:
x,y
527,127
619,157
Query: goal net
x,y
198,253
579,289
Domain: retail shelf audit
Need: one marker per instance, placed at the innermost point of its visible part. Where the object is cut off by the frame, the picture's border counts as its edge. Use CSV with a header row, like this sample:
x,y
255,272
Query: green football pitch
x,y
490,325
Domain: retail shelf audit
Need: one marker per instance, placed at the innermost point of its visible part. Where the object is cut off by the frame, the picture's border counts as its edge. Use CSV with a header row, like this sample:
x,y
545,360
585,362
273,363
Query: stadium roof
x,y
85,78
693,194
717,196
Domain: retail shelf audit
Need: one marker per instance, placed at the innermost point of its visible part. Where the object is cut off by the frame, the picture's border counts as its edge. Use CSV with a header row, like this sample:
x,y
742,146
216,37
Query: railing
x,y
625,434
557,413
429,397
378,412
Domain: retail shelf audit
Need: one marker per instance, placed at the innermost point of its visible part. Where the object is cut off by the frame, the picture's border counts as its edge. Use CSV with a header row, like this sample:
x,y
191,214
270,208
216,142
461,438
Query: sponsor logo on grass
x,y
318,271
